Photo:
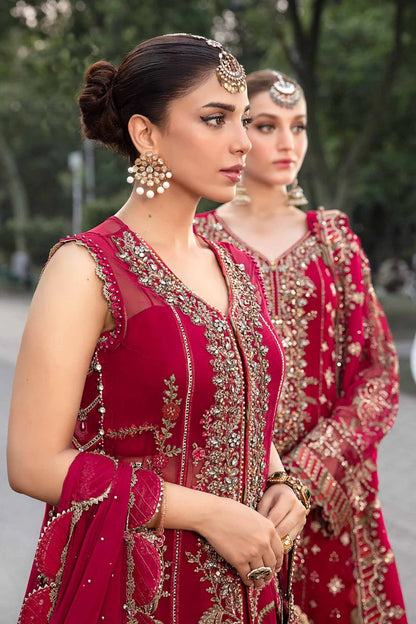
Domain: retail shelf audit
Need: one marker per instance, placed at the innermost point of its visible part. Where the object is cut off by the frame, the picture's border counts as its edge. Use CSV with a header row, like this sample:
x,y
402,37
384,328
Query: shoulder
x,y
332,226
93,241
69,257
321,215
69,283
77,257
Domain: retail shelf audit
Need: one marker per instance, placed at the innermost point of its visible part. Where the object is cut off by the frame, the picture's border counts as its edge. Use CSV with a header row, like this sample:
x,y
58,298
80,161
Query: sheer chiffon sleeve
x,y
87,541
338,457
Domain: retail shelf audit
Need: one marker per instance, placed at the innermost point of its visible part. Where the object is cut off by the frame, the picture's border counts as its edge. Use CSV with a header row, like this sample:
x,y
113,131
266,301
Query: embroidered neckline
x,y
242,244
178,280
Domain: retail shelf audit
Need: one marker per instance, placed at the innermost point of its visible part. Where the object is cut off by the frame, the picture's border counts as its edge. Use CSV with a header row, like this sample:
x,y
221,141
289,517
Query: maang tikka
x,y
285,92
230,73
150,171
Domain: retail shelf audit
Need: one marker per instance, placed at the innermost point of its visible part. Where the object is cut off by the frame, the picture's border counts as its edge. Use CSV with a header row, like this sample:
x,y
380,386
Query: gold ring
x,y
287,543
259,573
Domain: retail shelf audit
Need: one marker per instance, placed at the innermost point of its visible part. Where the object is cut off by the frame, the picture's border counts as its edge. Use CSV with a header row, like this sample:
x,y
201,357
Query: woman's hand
x,y
281,506
245,538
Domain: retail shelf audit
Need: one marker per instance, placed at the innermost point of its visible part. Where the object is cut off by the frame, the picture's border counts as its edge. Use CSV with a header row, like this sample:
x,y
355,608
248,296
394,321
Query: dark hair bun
x,y
151,75
99,117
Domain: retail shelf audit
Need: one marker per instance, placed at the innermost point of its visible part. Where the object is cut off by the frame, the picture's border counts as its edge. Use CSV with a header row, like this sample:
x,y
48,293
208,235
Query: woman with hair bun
x,y
340,395
145,396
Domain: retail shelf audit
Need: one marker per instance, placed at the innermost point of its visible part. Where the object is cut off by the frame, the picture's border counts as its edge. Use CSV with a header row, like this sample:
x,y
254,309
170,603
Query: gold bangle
x,y
298,488
277,477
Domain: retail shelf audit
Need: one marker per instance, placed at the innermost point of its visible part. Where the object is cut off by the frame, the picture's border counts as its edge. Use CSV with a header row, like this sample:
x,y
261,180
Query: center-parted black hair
x,y
152,75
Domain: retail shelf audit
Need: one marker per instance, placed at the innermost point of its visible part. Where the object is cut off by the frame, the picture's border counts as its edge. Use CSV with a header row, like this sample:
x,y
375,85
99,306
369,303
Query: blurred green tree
x,y
355,61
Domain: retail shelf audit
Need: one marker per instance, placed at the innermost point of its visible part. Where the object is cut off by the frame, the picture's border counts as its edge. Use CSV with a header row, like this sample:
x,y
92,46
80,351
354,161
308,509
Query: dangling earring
x,y
295,195
241,196
149,170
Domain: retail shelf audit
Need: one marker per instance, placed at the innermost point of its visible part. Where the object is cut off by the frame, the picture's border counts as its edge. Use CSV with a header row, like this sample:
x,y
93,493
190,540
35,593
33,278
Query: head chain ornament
x,y
230,73
285,92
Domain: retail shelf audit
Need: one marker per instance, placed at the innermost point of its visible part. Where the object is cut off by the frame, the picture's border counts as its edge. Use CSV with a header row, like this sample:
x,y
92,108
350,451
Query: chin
x,y
222,196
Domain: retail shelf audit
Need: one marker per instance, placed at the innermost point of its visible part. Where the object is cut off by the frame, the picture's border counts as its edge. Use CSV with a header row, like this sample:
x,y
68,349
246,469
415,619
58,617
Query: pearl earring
x,y
151,172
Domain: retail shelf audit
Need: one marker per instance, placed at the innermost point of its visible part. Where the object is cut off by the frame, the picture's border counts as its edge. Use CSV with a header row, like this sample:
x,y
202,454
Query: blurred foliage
x,y
41,234
99,210
339,49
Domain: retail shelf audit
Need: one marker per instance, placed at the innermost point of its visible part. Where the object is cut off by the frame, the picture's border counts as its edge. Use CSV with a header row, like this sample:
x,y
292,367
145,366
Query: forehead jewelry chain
x,y
230,73
285,92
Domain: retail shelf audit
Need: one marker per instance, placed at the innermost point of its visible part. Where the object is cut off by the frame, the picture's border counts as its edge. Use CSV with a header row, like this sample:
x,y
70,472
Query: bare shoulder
x,y
69,283
70,257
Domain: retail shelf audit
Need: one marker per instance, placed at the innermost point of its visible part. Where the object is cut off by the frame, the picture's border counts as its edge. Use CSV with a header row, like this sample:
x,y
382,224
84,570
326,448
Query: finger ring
x,y
259,573
287,543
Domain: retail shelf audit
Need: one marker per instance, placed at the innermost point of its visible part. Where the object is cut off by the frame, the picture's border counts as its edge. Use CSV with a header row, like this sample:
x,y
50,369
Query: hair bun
x,y
100,78
99,116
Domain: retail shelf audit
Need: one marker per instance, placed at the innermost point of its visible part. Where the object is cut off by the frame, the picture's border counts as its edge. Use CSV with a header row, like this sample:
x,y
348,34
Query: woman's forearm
x,y
275,461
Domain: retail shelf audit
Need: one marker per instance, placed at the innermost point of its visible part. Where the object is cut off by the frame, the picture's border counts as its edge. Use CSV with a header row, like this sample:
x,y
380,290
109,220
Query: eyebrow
x,y
301,116
227,107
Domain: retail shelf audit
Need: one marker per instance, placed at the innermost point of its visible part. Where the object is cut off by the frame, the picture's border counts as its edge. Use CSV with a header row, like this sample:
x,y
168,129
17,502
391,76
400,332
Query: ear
x,y
143,133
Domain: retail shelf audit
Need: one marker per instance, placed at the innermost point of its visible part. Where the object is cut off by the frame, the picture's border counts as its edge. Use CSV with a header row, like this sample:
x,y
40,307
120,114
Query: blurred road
x,y
20,517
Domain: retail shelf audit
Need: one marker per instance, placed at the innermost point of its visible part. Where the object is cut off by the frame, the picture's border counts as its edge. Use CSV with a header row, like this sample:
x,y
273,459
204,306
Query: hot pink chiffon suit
x,y
339,399
180,392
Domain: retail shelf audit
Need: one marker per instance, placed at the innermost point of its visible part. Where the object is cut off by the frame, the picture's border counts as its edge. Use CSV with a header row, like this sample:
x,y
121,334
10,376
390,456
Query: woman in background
x,y
340,396
144,398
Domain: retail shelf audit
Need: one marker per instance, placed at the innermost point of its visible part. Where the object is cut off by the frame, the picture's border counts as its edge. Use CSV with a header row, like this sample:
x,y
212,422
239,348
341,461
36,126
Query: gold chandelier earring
x,y
295,195
241,196
151,173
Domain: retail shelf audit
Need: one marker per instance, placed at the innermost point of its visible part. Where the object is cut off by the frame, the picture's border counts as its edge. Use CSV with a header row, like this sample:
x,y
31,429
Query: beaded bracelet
x,y
298,488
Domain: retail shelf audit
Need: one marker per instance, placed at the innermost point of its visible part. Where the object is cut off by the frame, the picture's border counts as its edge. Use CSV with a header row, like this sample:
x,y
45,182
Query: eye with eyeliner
x,y
299,128
216,120
267,128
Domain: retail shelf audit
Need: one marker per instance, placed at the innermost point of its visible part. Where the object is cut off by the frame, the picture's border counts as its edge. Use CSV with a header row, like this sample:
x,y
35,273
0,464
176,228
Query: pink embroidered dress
x,y
339,399
177,391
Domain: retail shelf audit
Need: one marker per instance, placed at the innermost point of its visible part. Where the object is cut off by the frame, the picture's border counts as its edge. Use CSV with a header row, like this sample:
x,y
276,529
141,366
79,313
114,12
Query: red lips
x,y
233,173
235,168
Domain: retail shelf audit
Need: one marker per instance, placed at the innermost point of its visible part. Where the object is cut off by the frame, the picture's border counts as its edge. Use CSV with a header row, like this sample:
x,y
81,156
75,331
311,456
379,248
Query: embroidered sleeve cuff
x,y
145,496
325,490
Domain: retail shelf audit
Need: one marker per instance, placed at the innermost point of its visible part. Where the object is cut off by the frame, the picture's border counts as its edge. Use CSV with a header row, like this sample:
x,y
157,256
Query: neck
x,y
165,220
266,200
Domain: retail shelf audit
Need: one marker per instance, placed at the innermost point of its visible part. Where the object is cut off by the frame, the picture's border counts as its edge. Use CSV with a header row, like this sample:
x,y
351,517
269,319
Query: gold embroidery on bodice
x,y
295,301
291,315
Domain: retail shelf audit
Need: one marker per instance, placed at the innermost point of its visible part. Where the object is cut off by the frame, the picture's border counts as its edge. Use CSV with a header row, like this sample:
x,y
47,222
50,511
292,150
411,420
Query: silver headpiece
x,y
285,92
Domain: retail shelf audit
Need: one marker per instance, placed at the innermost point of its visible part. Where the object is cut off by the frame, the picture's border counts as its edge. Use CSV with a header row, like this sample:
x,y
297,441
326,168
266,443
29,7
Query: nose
x,y
285,139
241,142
